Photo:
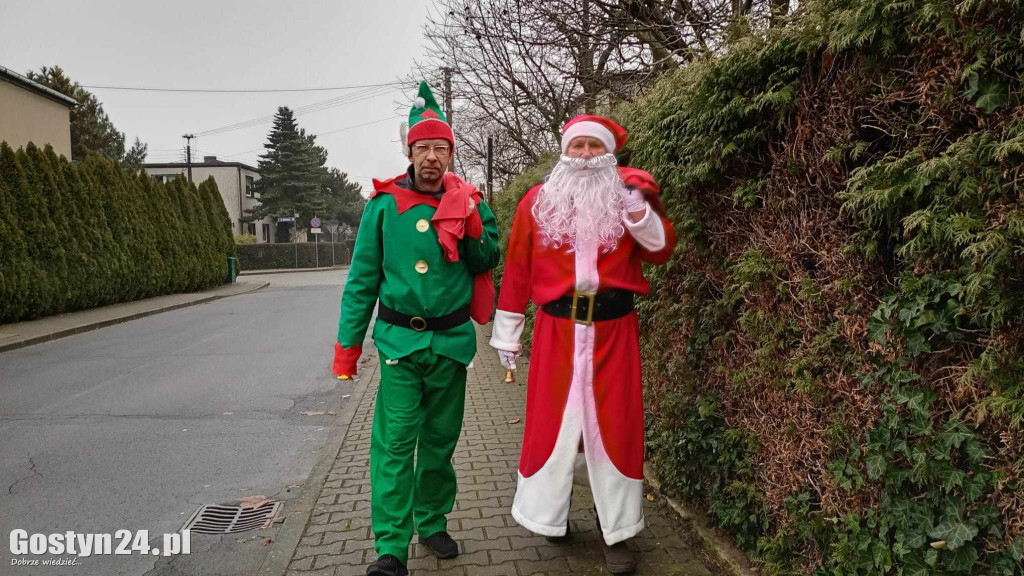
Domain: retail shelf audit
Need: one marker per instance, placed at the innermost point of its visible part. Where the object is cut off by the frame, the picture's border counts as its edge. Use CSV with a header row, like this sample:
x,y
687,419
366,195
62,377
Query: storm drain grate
x,y
219,519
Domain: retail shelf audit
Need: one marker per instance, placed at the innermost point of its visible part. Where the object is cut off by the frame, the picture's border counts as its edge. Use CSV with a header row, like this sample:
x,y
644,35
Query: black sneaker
x,y
441,545
387,565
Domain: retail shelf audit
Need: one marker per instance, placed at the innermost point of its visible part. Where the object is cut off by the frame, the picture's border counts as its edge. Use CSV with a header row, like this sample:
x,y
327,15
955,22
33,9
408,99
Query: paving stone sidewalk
x,y
338,541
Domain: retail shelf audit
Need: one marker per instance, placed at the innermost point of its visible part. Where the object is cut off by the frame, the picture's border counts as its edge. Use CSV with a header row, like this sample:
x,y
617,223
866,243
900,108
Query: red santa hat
x,y
604,129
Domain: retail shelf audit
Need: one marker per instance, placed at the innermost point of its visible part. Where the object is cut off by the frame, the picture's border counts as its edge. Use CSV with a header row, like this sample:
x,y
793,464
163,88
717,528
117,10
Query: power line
x,y
308,109
378,121
242,90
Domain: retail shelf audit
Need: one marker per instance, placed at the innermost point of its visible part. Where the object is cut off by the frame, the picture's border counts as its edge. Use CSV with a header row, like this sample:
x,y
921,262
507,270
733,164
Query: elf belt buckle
x,y
587,305
417,323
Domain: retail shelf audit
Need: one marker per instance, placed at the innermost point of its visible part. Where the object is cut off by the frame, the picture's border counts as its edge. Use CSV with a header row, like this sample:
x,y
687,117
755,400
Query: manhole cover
x,y
219,519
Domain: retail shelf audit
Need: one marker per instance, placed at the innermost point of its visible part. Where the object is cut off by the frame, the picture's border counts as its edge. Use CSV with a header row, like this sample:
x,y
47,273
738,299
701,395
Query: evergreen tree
x,y
91,129
344,199
292,173
14,261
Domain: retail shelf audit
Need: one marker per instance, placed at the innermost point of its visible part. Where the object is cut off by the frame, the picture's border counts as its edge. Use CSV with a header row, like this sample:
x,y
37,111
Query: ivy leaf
x,y
878,328
962,559
876,464
954,528
992,95
914,565
931,557
1017,548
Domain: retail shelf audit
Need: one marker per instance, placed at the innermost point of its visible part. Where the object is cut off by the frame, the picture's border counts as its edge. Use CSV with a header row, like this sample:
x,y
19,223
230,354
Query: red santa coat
x,y
584,381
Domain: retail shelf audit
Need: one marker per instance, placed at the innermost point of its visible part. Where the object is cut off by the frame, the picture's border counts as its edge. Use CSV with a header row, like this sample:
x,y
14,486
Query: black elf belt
x,y
420,324
585,308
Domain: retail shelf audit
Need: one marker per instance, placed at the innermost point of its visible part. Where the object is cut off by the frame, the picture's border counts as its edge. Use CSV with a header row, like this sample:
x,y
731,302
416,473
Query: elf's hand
x,y
345,360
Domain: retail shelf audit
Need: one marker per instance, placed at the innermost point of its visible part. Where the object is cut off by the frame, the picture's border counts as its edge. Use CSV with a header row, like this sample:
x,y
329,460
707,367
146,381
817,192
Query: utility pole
x,y
448,109
490,167
188,154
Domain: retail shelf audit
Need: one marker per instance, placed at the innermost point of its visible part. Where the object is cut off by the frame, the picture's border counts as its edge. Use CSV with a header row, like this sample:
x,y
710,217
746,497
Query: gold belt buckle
x,y
417,323
590,307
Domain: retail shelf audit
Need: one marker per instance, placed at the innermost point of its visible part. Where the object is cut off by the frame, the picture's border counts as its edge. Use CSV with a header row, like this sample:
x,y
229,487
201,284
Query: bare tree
x,y
524,67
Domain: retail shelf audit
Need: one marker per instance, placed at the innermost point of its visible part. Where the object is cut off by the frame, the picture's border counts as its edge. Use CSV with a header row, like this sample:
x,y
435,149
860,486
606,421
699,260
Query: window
x,y
250,183
252,228
266,232
165,178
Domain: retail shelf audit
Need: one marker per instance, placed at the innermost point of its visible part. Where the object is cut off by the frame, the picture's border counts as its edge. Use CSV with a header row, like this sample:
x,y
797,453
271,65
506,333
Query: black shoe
x,y
387,565
618,559
441,545
560,539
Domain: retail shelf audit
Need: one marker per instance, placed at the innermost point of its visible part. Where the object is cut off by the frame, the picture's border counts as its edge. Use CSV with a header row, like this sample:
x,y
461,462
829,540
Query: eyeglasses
x,y
439,150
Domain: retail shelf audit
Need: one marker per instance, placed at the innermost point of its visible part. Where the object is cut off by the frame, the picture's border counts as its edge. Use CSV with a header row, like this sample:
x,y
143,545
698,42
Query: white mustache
x,y
585,163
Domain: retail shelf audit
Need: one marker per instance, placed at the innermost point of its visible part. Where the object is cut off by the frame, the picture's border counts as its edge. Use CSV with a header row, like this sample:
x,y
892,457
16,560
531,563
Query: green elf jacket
x,y
399,260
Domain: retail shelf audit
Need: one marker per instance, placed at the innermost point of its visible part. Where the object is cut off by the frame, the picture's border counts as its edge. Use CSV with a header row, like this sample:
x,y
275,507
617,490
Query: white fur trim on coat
x,y
507,329
649,232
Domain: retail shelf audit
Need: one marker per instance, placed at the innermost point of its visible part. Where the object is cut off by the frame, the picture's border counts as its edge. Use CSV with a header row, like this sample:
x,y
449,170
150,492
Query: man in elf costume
x,y
425,248
576,248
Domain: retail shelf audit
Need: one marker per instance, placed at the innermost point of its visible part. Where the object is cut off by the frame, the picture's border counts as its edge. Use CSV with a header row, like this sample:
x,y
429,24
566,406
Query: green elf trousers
x,y
419,411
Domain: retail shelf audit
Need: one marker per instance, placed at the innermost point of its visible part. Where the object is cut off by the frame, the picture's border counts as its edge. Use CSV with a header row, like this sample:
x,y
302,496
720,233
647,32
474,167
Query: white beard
x,y
581,203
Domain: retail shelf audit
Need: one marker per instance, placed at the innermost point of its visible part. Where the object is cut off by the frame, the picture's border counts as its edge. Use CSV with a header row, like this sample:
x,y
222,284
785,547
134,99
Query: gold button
x,y
422,225
422,267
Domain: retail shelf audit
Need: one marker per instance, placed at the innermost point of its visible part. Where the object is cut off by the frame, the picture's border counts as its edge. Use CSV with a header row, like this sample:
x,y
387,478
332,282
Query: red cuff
x,y
345,359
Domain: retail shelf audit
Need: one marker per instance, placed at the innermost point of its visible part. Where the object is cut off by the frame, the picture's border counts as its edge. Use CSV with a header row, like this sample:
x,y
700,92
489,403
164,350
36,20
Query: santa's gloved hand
x,y
508,359
633,199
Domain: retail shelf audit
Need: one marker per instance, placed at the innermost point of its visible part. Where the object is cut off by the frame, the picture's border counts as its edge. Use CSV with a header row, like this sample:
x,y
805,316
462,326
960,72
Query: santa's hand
x,y
632,199
508,359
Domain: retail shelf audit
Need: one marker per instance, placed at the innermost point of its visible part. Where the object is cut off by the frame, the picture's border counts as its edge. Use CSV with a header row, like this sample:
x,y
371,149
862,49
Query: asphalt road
x,y
136,425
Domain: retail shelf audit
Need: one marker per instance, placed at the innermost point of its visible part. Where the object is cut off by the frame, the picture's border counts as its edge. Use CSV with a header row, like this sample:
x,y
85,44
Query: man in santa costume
x,y
423,255
576,248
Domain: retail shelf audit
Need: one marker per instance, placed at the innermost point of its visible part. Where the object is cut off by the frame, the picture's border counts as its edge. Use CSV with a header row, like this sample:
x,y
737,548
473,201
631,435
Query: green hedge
x,y
80,236
835,356
269,256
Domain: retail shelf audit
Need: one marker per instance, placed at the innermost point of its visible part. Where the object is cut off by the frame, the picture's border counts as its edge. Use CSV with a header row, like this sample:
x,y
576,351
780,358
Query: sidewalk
x,y
337,541
21,334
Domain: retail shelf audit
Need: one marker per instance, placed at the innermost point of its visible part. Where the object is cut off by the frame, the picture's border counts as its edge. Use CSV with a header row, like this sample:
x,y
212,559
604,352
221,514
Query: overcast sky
x,y
232,44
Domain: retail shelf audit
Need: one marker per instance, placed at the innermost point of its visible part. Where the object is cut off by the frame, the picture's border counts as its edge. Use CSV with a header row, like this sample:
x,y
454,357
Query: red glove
x,y
345,359
474,225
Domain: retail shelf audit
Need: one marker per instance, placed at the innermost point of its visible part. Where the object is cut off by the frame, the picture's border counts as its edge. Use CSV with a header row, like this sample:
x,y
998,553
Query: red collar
x,y
405,198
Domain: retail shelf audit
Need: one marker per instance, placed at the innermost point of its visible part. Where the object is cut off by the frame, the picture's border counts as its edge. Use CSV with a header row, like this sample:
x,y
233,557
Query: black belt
x,y
584,308
420,324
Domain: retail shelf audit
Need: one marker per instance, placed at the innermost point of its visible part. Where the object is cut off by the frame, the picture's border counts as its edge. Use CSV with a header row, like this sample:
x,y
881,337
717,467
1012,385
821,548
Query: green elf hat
x,y
426,120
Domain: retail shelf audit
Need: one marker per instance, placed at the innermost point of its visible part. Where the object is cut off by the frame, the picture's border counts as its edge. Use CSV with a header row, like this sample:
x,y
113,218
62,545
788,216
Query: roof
x,y
214,164
6,74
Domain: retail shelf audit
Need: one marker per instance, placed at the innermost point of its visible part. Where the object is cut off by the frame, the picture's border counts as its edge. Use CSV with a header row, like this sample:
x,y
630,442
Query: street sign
x,y
315,222
288,219
316,231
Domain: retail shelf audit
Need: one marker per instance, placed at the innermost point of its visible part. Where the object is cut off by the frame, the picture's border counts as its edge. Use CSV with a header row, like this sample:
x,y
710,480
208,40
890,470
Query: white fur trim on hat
x,y
591,129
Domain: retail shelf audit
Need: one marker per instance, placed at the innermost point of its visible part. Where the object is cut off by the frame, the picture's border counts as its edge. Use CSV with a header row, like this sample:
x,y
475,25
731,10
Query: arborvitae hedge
x,y
75,237
834,358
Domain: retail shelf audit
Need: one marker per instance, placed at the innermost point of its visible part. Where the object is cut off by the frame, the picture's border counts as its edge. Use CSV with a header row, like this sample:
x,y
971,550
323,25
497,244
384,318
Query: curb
x,y
723,549
119,320
283,547
290,270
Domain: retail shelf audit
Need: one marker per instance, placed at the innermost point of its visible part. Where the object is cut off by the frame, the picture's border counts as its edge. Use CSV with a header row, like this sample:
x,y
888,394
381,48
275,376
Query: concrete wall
x,y
228,179
28,117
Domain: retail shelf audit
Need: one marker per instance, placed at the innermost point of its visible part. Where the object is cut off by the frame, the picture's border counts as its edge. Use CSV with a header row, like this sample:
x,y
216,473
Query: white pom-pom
x,y
419,102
